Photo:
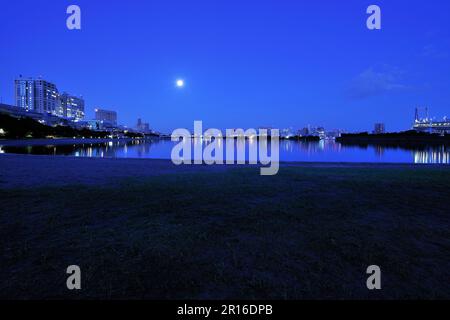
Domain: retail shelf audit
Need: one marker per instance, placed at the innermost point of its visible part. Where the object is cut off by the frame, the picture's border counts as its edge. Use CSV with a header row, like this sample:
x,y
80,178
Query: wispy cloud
x,y
432,51
376,81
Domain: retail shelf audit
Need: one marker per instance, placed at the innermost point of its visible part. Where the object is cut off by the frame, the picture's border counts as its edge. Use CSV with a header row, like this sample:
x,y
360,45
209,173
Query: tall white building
x,y
37,95
24,94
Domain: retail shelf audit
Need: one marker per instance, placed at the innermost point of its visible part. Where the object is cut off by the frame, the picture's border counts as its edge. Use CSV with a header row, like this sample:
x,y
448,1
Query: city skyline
x,y
284,68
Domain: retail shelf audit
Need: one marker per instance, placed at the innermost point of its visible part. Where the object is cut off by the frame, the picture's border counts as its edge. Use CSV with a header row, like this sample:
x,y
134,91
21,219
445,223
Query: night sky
x,y
245,63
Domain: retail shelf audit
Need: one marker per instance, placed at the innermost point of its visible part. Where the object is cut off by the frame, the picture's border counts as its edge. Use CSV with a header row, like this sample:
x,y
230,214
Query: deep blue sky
x,y
246,63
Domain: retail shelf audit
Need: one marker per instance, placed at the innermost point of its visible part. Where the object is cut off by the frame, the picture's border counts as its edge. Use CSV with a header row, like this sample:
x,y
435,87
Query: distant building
x,y
106,116
37,95
95,125
334,133
286,133
71,107
379,128
142,126
303,132
317,132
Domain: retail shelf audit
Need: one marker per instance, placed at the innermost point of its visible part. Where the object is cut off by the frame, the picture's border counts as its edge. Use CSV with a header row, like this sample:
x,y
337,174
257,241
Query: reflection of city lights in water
x,y
322,145
241,150
379,151
440,156
288,146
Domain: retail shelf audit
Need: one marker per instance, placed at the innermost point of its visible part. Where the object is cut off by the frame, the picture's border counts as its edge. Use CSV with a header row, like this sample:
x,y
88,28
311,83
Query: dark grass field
x,y
307,233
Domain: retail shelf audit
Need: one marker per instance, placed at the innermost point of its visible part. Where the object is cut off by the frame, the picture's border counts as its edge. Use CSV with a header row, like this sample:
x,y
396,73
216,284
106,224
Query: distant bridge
x,y
429,125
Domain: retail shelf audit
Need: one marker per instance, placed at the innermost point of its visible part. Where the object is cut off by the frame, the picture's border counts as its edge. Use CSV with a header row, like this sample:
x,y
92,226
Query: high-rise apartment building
x,y
24,93
379,128
71,107
143,127
37,95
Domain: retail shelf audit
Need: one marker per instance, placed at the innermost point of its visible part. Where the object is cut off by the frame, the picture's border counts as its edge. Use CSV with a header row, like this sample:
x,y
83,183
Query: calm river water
x,y
323,151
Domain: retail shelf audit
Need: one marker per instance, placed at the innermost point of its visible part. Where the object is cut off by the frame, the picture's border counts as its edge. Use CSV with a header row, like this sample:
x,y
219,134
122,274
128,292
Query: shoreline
x,y
60,141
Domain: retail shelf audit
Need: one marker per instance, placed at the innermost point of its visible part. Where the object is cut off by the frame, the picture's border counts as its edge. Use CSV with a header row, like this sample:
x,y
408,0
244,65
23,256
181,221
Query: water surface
x,y
323,151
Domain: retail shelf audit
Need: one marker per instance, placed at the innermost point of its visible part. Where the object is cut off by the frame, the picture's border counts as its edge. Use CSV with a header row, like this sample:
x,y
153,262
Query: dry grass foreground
x,y
307,233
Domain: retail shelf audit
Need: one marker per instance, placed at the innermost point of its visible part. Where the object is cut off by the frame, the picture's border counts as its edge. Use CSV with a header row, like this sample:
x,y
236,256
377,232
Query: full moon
x,y
180,83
